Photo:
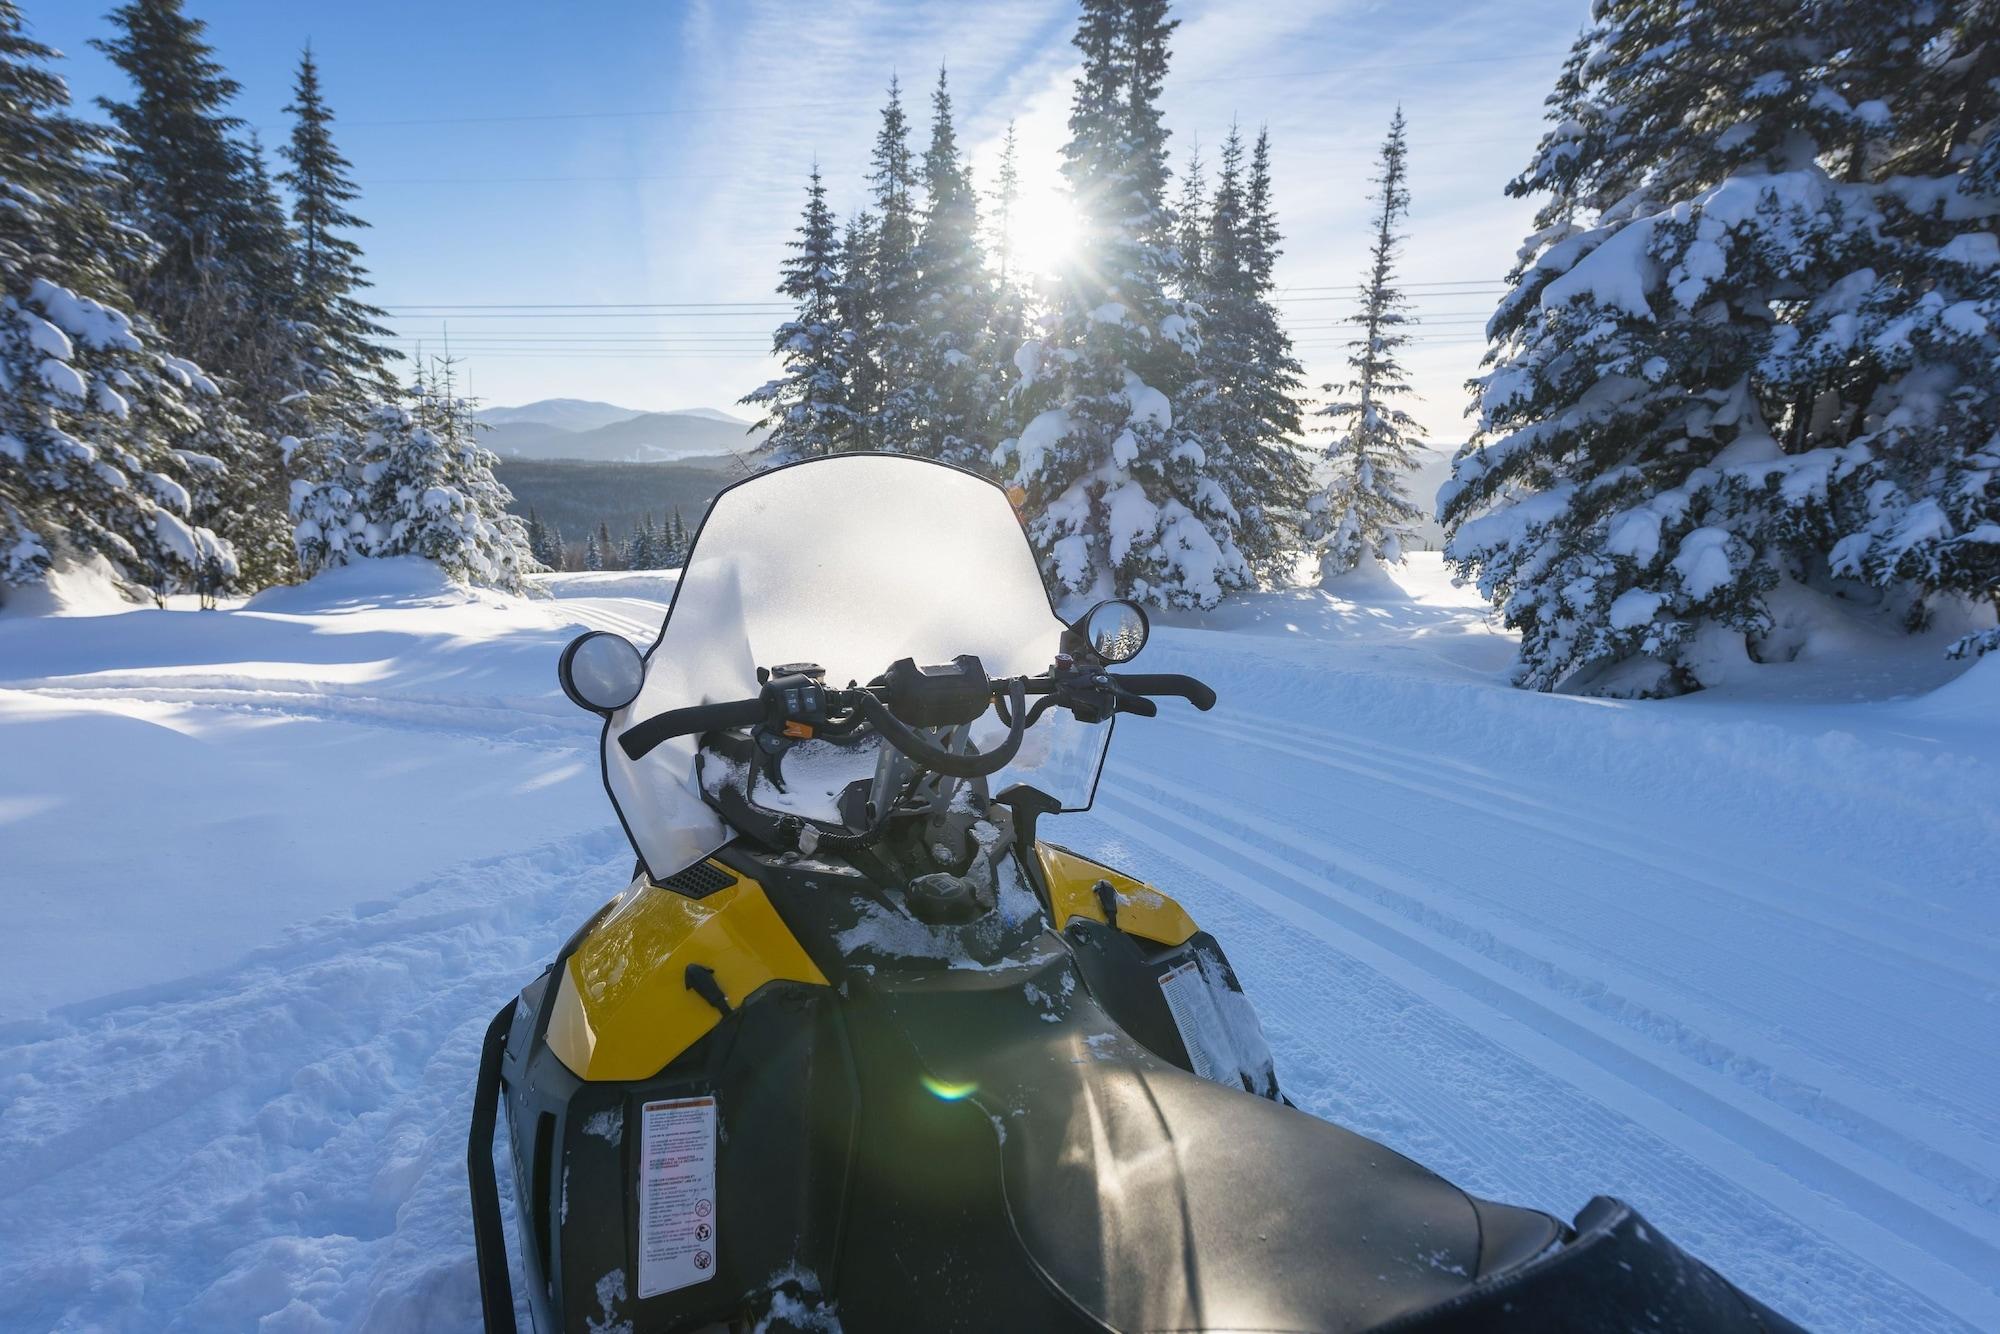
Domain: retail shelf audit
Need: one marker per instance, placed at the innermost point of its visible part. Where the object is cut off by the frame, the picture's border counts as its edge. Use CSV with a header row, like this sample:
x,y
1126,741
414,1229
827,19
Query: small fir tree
x,y
1365,512
806,409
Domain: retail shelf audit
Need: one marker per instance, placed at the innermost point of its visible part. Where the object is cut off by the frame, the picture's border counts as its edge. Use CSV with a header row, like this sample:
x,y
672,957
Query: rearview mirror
x,y
601,672
1116,630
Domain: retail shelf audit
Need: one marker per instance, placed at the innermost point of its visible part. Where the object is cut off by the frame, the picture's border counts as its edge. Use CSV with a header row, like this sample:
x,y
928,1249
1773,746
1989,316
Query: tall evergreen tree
x,y
1121,497
895,342
1007,320
101,432
1243,402
1365,512
1749,352
1006,195
1191,222
1268,473
343,346
215,280
593,555
956,382
806,409
858,309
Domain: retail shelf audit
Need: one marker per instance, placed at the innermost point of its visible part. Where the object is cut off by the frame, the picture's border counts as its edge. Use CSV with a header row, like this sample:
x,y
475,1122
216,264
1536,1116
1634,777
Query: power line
x,y
721,108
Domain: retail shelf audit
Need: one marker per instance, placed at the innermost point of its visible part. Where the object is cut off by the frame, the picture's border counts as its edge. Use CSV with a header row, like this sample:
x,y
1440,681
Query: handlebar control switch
x,y
795,700
945,695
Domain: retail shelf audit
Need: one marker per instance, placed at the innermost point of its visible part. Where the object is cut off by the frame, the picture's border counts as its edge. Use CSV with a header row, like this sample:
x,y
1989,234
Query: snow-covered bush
x,y
417,484
87,414
1753,340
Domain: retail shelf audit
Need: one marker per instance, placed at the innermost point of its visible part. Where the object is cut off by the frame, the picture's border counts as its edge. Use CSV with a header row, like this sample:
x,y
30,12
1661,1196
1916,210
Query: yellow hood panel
x,y
623,1009
1142,910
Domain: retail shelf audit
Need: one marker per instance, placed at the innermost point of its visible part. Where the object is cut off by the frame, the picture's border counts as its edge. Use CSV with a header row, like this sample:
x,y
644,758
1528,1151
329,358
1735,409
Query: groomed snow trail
x,y
1731,962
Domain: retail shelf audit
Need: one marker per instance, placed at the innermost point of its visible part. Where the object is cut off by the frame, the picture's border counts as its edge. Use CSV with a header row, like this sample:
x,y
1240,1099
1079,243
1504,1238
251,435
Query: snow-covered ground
x,y
265,873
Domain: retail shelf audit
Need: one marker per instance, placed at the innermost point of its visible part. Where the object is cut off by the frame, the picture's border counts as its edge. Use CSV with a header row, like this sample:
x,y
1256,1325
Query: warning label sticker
x,y
676,1195
1194,1015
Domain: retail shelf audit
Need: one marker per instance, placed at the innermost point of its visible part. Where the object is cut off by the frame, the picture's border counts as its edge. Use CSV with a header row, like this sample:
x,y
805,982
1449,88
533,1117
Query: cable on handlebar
x,y
893,730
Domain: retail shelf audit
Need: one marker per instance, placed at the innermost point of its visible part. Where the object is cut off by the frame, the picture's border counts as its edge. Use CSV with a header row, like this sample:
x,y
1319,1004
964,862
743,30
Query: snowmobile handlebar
x,y
1166,683
799,706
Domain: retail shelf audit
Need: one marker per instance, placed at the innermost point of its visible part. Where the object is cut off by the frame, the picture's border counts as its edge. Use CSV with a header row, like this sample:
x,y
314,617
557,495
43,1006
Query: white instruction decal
x,y
1194,1014
677,1195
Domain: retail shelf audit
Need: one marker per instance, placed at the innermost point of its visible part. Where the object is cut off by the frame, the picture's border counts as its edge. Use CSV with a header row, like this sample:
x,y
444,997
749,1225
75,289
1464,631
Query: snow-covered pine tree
x,y
1271,479
427,489
857,308
593,555
1120,499
1006,195
955,382
342,344
806,409
607,550
1366,513
643,551
894,345
98,425
1243,402
1191,222
1007,319
545,541
679,540
217,278
1750,348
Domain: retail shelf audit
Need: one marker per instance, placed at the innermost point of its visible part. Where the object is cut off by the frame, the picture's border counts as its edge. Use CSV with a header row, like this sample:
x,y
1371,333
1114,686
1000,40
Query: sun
x,y
1045,233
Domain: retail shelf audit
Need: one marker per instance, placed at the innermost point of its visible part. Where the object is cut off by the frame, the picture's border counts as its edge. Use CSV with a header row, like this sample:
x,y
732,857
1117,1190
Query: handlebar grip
x,y
1189,689
639,740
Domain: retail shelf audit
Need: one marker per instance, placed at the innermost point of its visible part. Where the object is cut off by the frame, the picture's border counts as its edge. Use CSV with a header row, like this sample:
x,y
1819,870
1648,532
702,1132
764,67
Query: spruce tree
x,y
1120,497
894,345
1268,476
806,410
1748,355
430,489
417,483
1243,403
1007,319
857,307
1365,513
607,550
956,384
537,535
593,555
1191,221
101,429
216,278
343,345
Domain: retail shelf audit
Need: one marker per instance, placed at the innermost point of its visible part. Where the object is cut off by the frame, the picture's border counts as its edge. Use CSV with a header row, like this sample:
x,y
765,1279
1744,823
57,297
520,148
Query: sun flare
x,y
1045,233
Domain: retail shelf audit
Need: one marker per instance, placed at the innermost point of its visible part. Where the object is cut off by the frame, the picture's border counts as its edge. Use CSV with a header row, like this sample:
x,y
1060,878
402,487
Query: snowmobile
x,y
860,1046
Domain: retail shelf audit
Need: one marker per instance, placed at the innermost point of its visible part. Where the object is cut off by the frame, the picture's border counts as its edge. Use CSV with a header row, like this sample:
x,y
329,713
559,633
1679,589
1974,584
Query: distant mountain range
x,y
575,428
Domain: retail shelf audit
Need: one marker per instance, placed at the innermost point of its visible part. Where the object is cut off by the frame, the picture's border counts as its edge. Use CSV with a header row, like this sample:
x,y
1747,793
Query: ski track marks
x,y
1841,1237
285,1139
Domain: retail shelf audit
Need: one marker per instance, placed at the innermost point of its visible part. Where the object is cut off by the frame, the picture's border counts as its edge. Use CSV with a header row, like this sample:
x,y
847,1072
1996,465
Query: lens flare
x,y
945,1091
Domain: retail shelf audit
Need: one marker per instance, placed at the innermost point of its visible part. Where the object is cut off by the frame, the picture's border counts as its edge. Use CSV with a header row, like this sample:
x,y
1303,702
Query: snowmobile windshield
x,y
850,562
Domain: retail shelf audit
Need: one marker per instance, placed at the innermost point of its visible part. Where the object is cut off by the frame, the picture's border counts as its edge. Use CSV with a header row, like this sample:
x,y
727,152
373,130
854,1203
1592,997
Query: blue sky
x,y
612,151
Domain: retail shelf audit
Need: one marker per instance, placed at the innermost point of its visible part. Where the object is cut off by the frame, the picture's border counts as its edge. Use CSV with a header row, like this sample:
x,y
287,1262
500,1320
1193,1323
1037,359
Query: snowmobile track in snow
x,y
1677,1081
